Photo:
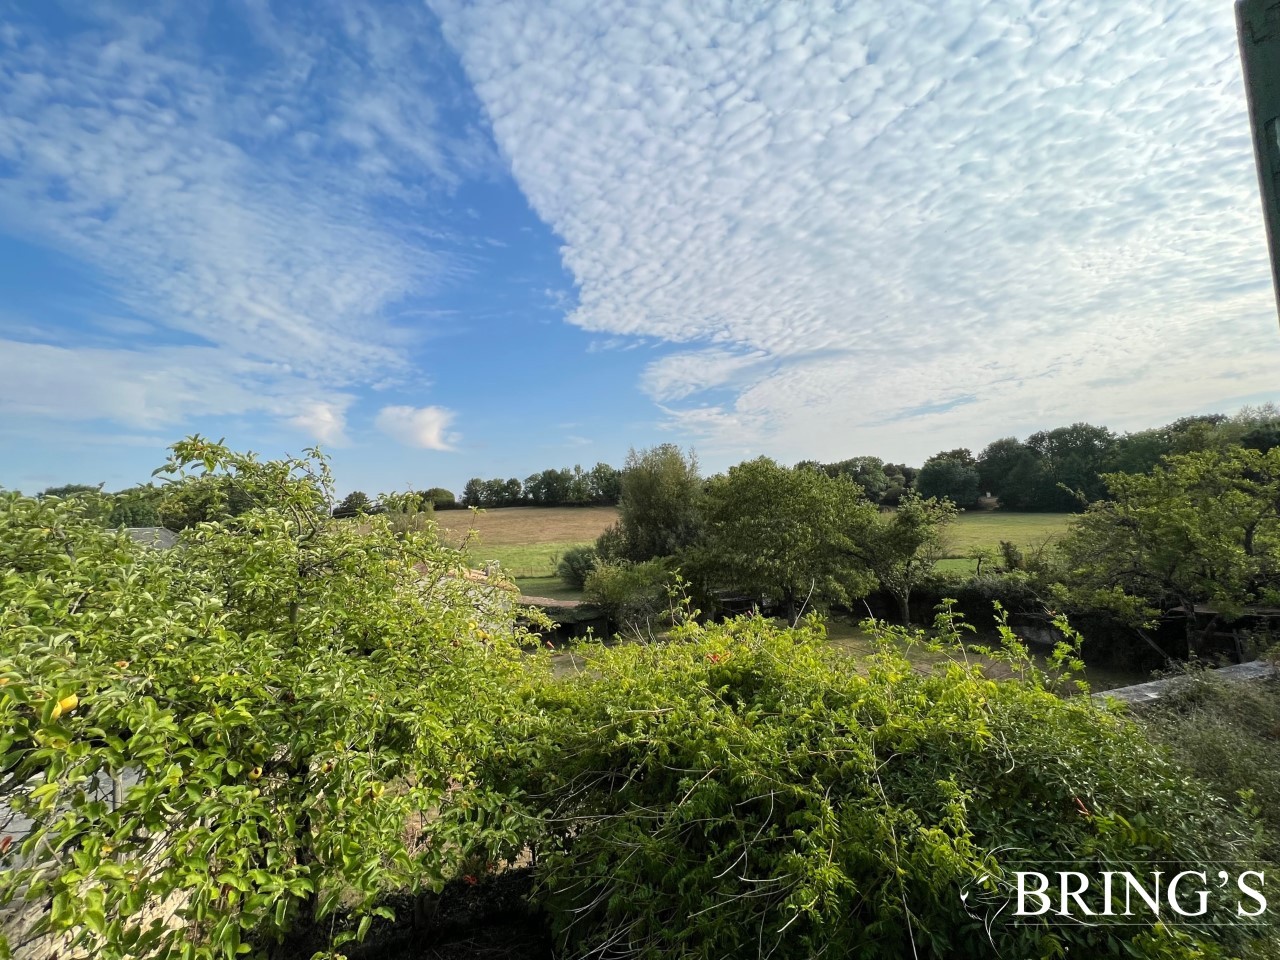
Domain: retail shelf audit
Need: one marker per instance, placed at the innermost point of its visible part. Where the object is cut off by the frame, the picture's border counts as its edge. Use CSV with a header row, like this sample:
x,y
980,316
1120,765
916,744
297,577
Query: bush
x,y
277,703
747,791
634,596
575,565
1228,734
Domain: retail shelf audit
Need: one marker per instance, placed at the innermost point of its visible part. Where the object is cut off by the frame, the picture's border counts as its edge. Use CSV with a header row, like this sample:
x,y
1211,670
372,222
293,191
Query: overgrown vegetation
x,y
244,733
743,790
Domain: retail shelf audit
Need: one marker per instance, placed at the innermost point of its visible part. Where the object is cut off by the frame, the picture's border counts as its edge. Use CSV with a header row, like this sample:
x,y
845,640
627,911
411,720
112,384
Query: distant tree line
x,y
551,488
1055,471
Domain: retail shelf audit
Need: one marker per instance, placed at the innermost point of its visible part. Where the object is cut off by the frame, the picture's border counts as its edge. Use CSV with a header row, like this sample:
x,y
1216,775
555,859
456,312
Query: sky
x,y
449,239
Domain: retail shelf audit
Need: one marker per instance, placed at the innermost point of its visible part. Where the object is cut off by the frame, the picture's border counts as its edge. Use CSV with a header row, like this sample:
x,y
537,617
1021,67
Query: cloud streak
x,y
246,208
854,215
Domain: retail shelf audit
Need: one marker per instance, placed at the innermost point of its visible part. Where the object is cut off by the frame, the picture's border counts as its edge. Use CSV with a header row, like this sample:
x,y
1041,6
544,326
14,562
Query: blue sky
x,y
454,239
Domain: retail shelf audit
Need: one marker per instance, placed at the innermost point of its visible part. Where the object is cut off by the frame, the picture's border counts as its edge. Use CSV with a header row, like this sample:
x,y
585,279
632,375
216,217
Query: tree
x,y
440,498
353,504
473,493
135,507
634,596
902,547
1075,458
1013,472
69,490
606,484
952,475
658,509
1200,529
866,472
277,703
782,534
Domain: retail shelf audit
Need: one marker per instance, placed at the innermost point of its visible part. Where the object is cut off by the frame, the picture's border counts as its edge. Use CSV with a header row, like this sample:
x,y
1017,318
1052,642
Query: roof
x,y
157,537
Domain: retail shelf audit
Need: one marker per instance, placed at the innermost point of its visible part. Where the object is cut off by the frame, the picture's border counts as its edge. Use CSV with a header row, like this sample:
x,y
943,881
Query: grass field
x,y
528,541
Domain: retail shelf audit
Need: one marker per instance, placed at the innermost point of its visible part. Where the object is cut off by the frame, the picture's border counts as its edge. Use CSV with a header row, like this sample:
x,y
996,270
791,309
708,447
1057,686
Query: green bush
x,y
576,565
635,596
1229,735
277,703
744,790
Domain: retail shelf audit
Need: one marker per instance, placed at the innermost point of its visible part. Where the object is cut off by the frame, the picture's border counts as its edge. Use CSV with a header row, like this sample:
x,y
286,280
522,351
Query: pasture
x,y
528,541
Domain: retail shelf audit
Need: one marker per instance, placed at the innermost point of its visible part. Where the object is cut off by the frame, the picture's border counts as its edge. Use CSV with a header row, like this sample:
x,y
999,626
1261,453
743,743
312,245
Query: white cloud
x,y
418,426
325,421
852,215
158,388
239,207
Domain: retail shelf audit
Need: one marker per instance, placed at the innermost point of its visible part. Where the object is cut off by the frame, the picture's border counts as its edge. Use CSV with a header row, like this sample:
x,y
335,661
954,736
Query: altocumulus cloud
x,y
418,426
893,221
239,207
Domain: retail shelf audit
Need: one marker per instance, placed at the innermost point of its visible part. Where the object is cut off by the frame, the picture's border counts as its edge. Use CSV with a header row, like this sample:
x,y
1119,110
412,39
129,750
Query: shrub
x,y
634,596
1229,736
277,703
747,791
575,565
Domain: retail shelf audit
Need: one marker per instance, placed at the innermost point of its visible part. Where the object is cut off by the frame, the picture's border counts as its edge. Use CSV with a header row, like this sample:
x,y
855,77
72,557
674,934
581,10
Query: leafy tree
x,y
69,490
1013,472
1202,528
902,478
277,703
1075,457
192,500
1139,452
782,534
407,513
440,498
634,596
658,510
606,484
866,472
951,475
354,503
902,547
576,565
136,507
473,493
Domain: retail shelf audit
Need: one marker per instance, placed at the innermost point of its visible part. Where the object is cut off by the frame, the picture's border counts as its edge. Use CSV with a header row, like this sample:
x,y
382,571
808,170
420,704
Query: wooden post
x,y
1258,27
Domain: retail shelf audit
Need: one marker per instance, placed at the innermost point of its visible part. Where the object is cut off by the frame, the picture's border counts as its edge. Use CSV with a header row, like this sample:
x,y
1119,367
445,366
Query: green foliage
x,y
138,507
69,490
951,475
903,547
440,498
1203,528
659,509
278,703
407,513
575,565
747,791
634,596
354,504
1229,736
782,534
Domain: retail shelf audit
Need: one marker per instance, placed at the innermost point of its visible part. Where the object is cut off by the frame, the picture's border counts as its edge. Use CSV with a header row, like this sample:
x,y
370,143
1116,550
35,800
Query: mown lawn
x,y
528,541
980,529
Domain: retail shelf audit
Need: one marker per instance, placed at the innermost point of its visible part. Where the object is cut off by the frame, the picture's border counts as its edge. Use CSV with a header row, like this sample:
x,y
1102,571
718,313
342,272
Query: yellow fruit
x,y
122,664
195,678
69,702
255,773
57,711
